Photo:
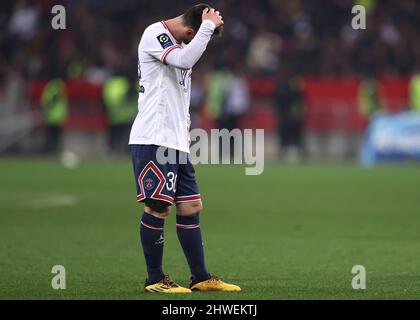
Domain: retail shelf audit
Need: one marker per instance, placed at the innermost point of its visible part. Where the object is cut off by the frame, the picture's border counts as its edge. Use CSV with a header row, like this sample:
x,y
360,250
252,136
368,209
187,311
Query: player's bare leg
x,y
151,235
189,235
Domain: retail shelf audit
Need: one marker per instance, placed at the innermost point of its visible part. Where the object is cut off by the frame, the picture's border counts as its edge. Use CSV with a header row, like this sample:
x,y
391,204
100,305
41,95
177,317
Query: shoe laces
x,y
169,282
214,279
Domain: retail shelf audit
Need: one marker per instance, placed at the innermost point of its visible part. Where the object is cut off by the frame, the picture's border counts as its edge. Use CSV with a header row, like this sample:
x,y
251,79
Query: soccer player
x,y
166,53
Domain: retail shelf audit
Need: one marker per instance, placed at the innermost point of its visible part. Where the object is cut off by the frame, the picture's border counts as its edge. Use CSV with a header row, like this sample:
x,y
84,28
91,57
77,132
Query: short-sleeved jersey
x,y
163,106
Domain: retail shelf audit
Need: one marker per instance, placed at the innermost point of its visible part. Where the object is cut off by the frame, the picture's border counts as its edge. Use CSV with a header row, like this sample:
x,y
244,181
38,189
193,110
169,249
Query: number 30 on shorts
x,y
171,184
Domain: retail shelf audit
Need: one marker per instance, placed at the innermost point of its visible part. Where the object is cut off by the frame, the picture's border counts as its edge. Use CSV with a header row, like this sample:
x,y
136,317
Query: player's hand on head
x,y
213,15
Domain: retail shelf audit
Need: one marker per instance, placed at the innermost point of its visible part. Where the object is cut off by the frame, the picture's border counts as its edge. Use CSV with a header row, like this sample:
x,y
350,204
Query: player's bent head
x,y
192,19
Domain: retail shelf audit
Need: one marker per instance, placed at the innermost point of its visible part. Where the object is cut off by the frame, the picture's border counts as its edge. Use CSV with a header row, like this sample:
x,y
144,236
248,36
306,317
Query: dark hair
x,y
193,17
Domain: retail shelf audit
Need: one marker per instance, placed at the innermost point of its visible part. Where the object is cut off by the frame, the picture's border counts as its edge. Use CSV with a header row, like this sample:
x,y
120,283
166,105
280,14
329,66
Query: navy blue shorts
x,y
170,182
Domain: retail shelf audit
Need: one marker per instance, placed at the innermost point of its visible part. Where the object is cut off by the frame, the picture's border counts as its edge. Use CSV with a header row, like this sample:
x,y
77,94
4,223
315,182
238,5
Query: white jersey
x,y
164,67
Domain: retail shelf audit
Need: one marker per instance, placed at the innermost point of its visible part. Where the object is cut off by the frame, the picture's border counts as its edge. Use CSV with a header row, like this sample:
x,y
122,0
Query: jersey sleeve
x,y
159,44
188,56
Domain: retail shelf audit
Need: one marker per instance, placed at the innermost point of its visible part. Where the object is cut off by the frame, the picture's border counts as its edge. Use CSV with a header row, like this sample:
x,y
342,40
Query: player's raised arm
x,y
187,57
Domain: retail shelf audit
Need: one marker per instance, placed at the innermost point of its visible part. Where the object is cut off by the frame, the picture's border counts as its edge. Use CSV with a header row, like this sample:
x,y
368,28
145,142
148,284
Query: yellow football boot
x,y
166,285
214,284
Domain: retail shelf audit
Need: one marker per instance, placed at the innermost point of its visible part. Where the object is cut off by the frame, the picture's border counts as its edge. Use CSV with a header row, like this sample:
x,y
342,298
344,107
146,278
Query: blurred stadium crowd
x,y
265,38
310,37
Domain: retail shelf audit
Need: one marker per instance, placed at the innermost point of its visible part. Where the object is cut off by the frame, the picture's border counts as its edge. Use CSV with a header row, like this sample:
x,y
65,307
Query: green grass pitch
x,y
294,232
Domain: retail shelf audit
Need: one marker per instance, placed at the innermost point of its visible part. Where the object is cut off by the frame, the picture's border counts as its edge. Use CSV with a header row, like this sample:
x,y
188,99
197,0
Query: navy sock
x,y
151,236
189,235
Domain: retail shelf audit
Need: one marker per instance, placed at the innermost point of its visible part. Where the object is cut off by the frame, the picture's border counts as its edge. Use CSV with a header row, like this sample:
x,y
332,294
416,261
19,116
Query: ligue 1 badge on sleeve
x,y
164,40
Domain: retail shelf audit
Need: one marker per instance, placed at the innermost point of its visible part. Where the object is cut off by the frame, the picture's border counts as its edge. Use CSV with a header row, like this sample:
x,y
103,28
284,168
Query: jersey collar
x,y
167,27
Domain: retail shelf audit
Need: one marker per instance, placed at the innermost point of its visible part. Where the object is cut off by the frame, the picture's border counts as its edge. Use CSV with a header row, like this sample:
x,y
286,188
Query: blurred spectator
x,y
54,105
290,109
371,97
216,83
228,99
414,92
24,21
263,52
236,99
120,99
